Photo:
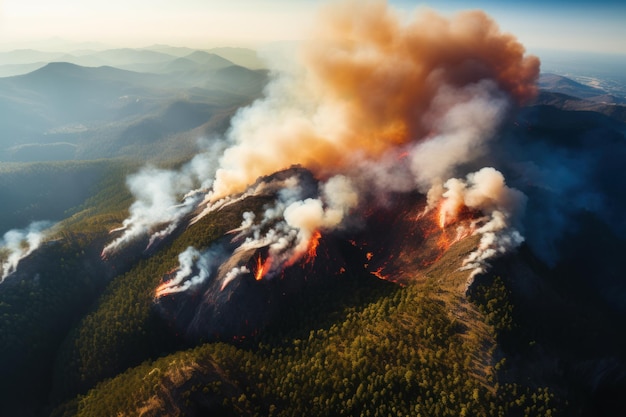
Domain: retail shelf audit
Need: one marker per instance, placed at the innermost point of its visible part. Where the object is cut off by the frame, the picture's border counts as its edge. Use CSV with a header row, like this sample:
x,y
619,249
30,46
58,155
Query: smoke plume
x,y
372,103
369,84
503,207
17,244
158,209
194,269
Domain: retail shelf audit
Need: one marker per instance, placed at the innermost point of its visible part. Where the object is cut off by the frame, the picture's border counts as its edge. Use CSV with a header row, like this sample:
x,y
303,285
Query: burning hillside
x,y
377,112
233,288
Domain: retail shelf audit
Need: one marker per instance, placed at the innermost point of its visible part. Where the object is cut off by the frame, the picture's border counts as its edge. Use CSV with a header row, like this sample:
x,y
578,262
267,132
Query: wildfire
x,y
311,252
447,237
262,267
442,219
166,287
162,289
378,273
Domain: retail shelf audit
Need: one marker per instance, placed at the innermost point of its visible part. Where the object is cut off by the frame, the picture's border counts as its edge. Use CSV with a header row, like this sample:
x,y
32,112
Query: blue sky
x,y
598,26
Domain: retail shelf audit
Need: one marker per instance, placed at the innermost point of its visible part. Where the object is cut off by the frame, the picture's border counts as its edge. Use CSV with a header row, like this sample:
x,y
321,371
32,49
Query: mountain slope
x,y
564,85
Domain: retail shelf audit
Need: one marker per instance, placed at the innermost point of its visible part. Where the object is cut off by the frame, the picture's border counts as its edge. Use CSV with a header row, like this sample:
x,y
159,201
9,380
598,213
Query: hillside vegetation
x,y
384,350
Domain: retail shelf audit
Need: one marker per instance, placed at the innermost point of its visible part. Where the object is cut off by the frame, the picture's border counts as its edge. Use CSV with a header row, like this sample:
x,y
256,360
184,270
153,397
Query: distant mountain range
x,y
157,58
64,111
567,94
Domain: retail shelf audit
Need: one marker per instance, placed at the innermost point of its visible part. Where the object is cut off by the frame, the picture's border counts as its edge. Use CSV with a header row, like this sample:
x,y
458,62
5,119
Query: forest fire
x,y
262,267
314,243
359,159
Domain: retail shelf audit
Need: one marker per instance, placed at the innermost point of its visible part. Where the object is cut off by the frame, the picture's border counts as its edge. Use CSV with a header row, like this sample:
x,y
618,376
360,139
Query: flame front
x,y
262,267
314,242
258,275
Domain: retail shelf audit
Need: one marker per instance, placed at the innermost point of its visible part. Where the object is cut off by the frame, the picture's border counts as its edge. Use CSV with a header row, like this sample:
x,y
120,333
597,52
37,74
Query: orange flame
x,y
164,287
311,251
161,289
262,267
379,274
442,218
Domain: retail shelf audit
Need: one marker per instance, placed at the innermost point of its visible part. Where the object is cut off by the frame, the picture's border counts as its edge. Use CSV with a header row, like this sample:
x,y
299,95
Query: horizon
x,y
578,26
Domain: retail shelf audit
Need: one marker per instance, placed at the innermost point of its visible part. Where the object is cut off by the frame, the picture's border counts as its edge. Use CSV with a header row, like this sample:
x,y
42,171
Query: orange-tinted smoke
x,y
389,72
366,82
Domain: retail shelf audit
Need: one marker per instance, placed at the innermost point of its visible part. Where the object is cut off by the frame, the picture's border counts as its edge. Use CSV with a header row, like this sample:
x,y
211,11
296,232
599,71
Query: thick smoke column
x,y
373,103
17,244
370,84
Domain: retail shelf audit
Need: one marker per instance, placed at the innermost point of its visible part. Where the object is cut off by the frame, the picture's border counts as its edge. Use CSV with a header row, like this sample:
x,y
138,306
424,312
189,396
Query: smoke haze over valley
x,y
400,213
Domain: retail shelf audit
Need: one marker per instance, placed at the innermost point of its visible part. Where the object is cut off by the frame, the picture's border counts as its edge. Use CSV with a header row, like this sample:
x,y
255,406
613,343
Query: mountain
x,y
395,235
126,56
176,51
154,59
10,70
385,304
559,84
605,105
65,111
566,94
28,56
241,56
197,61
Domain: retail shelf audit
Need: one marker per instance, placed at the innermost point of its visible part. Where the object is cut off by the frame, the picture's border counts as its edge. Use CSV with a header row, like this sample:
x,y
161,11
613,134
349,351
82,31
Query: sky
x,y
596,26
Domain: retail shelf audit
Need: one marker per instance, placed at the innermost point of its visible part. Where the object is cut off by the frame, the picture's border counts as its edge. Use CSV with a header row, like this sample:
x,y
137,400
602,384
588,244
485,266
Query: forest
x,y
379,318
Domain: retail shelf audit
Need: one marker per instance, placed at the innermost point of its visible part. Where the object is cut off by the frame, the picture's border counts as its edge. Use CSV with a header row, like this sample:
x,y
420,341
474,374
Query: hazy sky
x,y
575,24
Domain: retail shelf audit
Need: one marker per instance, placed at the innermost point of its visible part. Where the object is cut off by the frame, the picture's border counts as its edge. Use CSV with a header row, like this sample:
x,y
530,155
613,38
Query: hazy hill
x,y
177,51
196,61
126,56
9,70
241,56
65,111
156,58
565,102
28,56
567,94
564,85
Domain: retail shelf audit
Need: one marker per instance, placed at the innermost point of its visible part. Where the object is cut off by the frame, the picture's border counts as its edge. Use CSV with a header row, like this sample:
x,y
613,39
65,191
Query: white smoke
x,y
232,274
487,192
371,114
194,269
465,120
288,226
164,197
17,244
